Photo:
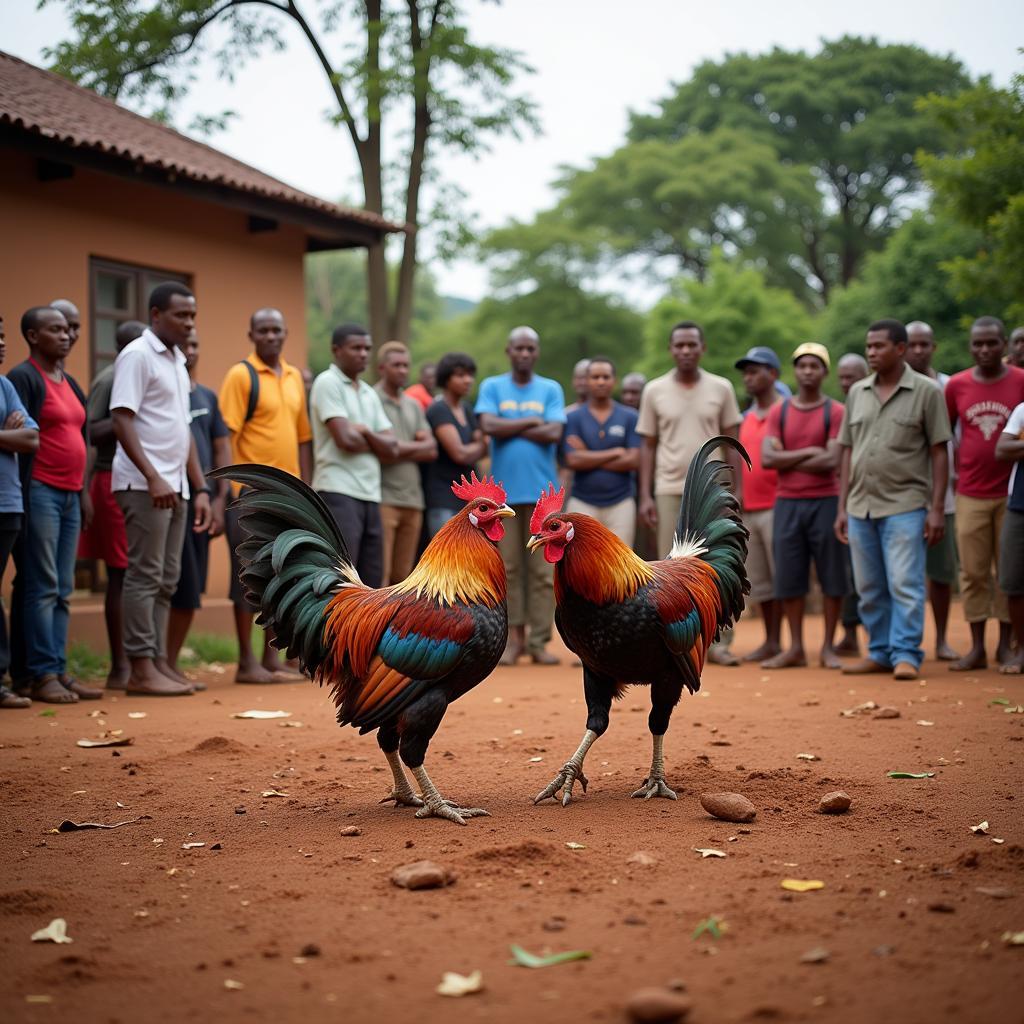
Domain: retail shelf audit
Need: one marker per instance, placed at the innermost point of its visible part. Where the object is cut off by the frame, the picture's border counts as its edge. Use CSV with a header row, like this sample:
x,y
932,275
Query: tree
x,y
981,183
906,280
736,310
416,61
843,120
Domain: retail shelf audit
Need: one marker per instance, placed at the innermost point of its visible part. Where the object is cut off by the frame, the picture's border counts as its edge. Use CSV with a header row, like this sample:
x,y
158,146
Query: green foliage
x,y
737,309
981,183
86,664
906,280
208,648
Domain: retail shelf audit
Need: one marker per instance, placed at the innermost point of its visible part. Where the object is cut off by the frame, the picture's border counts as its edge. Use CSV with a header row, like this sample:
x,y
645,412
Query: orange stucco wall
x,y
48,232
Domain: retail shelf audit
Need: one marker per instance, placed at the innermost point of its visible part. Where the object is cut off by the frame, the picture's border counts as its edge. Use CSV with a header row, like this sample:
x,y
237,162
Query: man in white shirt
x,y
155,461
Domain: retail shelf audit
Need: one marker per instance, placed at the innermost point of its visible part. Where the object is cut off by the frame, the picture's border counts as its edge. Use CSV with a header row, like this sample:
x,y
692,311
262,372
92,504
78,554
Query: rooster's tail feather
x,y
294,558
709,526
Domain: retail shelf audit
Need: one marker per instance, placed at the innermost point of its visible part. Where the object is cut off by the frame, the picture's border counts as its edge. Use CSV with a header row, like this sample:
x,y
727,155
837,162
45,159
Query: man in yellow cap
x,y
801,444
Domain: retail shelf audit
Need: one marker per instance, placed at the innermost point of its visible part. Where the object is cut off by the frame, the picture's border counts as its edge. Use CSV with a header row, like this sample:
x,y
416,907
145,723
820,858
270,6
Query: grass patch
x,y
85,663
206,648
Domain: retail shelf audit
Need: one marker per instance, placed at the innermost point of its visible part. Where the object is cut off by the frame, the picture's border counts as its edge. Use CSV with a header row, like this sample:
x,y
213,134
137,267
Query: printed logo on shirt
x,y
194,413
616,430
988,417
529,406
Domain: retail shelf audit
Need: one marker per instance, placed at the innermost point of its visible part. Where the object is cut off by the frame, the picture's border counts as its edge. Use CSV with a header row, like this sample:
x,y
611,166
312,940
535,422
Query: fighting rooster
x,y
395,657
632,621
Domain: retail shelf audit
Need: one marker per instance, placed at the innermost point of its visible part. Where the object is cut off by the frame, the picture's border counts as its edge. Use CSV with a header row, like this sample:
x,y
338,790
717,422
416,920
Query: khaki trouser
x,y
978,524
401,538
620,518
668,512
531,595
760,555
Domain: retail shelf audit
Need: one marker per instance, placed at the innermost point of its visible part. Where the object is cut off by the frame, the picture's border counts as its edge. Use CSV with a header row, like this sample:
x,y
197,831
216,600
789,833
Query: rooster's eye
x,y
481,507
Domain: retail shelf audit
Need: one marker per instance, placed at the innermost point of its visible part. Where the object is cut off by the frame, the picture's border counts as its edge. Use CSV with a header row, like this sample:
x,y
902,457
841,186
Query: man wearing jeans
x,y
891,498
154,463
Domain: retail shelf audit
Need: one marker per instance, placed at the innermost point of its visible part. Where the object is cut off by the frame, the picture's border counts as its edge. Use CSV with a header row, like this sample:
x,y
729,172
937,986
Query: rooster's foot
x,y
401,792
451,812
654,787
563,782
402,799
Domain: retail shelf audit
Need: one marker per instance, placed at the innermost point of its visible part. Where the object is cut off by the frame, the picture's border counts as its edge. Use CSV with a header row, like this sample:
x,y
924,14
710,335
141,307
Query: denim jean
x,y
888,568
51,542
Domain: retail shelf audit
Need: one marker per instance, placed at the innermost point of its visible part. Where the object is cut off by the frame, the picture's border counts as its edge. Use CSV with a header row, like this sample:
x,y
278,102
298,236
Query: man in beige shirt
x,y
678,413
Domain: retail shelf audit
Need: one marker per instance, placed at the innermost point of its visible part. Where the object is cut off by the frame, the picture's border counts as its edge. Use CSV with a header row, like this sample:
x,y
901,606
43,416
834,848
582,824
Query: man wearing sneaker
x,y
892,494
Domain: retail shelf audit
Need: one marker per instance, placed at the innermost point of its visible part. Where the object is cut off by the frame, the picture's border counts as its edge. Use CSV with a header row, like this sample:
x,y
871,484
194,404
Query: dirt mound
x,y
219,745
529,851
27,901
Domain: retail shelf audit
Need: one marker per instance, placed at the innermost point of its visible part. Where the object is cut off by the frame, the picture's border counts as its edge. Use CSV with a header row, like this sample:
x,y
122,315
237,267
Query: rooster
x,y
395,657
631,621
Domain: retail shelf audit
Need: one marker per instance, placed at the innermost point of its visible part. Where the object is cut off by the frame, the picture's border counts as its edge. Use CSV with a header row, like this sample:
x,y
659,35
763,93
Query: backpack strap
x,y
254,390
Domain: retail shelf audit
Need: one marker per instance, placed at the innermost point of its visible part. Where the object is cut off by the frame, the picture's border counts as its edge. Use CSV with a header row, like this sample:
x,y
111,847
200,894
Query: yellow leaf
x,y
456,985
802,885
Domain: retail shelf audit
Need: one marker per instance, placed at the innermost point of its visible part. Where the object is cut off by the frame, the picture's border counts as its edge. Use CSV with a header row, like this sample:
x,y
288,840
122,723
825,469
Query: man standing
x,y
632,388
73,318
579,385
1010,448
1015,356
760,368
401,509
263,403
105,537
422,392
524,414
56,503
212,439
352,435
981,400
679,411
941,566
851,368
602,448
801,444
153,467
891,498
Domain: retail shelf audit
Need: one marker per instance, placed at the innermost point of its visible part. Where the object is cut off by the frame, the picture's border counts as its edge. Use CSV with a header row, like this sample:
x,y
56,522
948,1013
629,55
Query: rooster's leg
x,y
654,784
663,700
435,806
571,771
402,792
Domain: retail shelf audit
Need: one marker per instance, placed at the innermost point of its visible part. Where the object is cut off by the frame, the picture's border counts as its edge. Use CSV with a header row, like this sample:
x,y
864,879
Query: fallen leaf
x,y
1016,710
136,714
707,852
1013,938
996,892
457,985
808,757
55,931
272,792
535,760
232,985
818,955
999,841
522,958
575,846
868,705
192,846
802,885
910,775
262,714
78,826
921,721
981,829
125,741
51,713
713,926
1000,700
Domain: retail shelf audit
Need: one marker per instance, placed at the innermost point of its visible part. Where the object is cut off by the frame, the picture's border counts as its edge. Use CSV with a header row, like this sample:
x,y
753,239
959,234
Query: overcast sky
x,y
595,61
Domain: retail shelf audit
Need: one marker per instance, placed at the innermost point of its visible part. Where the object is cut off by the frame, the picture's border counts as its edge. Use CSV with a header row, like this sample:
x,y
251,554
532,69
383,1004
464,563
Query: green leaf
x,y
1000,700
713,926
522,958
48,713
910,775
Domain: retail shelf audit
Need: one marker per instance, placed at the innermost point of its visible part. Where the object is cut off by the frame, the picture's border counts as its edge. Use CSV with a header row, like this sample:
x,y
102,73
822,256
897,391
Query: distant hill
x,y
453,306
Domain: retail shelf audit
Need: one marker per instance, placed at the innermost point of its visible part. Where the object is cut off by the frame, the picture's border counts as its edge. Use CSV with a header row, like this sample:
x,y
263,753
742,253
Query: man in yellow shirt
x,y
263,402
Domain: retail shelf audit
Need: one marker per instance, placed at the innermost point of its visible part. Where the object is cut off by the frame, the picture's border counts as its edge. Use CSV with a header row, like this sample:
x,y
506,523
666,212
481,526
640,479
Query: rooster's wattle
x,y
631,621
397,657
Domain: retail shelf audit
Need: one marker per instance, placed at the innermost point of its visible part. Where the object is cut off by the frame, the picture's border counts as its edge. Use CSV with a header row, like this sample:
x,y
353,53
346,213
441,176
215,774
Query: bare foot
x,y
543,657
943,652
9,699
719,655
766,650
1005,655
829,658
117,678
973,660
511,655
50,690
1014,667
793,658
848,645
255,674
284,671
145,681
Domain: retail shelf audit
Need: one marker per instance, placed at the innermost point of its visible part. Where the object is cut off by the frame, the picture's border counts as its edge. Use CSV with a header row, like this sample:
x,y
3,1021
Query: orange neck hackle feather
x,y
598,566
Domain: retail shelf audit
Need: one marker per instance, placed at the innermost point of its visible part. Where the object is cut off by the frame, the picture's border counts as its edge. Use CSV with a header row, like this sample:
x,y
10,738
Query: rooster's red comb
x,y
548,502
471,489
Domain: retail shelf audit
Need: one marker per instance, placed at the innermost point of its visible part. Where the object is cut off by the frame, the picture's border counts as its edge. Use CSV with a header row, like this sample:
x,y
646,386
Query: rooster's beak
x,y
534,542
504,512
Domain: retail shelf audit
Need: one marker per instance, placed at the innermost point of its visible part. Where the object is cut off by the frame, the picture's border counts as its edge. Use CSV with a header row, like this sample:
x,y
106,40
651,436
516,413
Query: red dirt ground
x,y
158,929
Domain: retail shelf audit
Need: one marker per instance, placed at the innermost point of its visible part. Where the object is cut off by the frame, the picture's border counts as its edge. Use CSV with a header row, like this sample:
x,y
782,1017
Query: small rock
x,y
887,713
643,858
554,924
634,919
818,955
835,803
657,1006
884,951
310,949
351,830
942,908
239,810
728,806
996,892
422,874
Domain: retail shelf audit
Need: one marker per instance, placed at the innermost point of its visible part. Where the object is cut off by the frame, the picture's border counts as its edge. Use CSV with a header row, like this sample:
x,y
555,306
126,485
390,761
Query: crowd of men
x,y
912,483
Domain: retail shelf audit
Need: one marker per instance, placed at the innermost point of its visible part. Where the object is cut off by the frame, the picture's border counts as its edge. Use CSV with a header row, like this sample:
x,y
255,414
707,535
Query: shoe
x,y
864,667
904,670
9,699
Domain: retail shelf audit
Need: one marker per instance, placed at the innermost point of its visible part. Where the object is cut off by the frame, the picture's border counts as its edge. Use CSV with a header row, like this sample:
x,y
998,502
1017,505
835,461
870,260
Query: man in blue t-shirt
x,y
523,415
602,448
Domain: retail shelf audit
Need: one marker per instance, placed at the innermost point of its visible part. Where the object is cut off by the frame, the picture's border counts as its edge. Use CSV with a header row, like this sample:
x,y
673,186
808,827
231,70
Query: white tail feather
x,y
687,546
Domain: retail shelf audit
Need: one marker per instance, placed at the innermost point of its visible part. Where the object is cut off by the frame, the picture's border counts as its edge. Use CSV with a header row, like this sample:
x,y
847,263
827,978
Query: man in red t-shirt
x,y
760,368
801,443
980,400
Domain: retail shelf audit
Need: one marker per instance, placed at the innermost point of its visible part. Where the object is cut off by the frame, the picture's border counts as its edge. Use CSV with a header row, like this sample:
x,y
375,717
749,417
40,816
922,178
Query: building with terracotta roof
x,y
99,204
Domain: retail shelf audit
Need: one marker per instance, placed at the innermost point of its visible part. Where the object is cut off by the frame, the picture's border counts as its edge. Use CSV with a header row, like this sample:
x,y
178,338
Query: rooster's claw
x,y
564,781
654,787
409,799
449,811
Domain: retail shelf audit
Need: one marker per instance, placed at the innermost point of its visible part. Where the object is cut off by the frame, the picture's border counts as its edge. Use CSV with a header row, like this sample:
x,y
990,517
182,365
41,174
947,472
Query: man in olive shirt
x,y
892,495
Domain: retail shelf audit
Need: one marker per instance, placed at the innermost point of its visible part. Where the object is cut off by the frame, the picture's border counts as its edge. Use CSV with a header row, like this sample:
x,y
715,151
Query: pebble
x,y
657,1006
351,830
887,713
554,924
818,955
728,806
310,949
942,908
835,803
995,892
422,874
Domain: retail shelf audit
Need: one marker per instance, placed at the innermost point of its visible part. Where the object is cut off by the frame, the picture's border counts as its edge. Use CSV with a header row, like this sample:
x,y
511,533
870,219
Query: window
x,y
119,292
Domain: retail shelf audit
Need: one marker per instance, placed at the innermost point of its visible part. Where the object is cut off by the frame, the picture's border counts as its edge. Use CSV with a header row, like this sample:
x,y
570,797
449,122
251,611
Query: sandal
x,y
50,690
9,699
80,689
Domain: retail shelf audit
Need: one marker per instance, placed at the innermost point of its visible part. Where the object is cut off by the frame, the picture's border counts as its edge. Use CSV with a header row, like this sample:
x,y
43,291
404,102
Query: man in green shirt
x,y
351,435
891,497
